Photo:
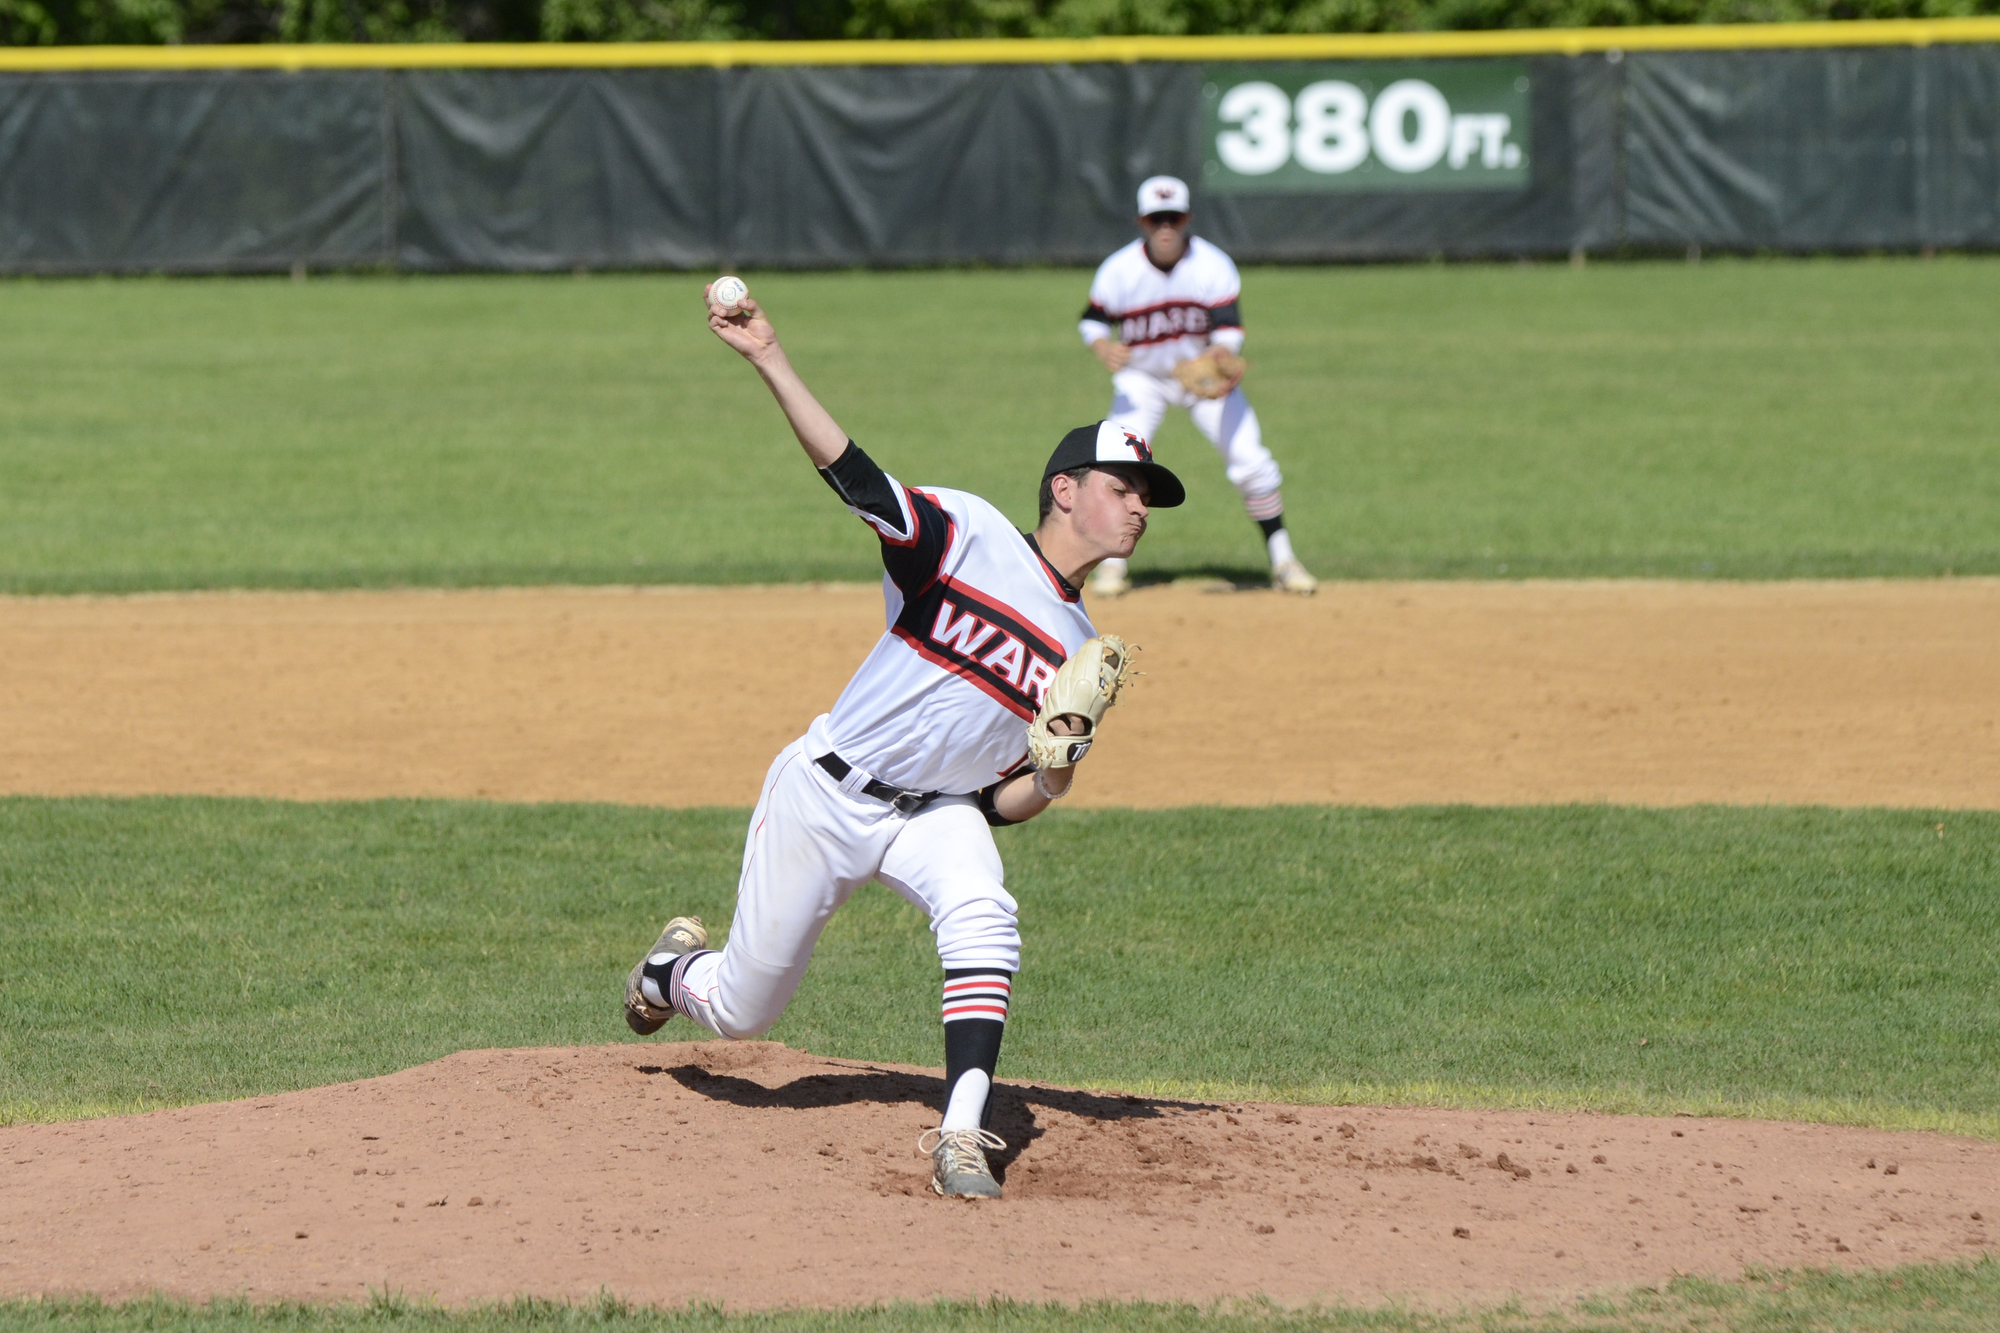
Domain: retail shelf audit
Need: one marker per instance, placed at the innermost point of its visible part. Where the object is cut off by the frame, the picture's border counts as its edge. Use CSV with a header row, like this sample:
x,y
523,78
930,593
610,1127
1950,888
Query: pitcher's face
x,y
1110,510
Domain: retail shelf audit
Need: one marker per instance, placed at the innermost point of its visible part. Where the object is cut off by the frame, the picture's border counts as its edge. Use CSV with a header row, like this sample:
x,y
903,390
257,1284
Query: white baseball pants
x,y
1139,402
809,848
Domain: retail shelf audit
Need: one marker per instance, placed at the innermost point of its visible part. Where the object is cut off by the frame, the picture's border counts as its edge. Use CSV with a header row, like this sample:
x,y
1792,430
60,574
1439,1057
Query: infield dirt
x,y
1654,693
756,1176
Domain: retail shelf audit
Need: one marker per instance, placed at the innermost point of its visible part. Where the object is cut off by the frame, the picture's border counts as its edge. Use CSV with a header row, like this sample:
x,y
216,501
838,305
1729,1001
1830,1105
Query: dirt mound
x,y
757,1176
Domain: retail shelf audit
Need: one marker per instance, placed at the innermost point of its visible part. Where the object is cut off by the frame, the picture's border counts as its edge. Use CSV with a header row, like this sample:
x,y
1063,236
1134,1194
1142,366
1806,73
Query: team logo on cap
x,y
1115,444
1162,194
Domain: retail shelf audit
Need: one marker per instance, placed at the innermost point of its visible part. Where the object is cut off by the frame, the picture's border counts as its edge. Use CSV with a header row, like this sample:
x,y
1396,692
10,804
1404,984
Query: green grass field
x,y
1949,1298
1810,963
1734,418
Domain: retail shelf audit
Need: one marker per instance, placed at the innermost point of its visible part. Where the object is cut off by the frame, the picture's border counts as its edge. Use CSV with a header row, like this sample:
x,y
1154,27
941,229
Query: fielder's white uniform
x,y
978,622
1167,317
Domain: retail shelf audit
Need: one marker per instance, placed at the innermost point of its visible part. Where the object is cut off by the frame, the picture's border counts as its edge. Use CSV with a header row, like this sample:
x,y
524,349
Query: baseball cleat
x,y
1111,580
684,934
958,1163
1291,576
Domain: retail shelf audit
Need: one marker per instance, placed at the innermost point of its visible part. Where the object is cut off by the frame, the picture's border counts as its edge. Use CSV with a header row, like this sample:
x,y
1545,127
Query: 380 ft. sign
x,y
1461,126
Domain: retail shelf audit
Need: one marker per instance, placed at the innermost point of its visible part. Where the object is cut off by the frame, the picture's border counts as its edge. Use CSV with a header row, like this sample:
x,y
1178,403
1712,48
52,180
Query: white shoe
x,y
958,1163
1291,576
1110,580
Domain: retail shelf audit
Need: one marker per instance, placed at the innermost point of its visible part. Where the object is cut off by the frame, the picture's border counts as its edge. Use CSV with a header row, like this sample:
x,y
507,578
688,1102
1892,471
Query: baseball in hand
x,y
726,295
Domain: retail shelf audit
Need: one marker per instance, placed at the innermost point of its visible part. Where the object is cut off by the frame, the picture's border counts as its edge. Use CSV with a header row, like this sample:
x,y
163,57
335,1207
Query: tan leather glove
x,y
1212,374
1085,686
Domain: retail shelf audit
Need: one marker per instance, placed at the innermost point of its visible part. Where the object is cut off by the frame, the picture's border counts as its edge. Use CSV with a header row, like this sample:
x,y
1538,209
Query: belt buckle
x,y
908,802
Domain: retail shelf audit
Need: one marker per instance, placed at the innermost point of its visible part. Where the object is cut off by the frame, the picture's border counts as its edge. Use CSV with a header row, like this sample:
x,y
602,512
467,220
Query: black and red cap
x,y
1103,442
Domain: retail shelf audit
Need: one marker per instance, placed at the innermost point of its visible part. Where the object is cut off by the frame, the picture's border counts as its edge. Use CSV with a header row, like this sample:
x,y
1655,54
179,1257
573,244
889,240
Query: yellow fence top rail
x,y
597,55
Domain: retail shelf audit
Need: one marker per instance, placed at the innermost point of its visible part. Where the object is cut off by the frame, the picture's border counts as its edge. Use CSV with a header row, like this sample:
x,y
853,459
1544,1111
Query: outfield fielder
x,y
929,745
1163,319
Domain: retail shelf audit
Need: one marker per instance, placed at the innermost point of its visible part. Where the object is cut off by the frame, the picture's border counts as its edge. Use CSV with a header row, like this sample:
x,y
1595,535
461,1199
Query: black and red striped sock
x,y
975,1019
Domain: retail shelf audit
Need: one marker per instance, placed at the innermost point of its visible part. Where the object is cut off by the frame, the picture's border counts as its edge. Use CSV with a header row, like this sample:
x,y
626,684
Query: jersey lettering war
x,y
975,639
978,622
1164,317
1163,323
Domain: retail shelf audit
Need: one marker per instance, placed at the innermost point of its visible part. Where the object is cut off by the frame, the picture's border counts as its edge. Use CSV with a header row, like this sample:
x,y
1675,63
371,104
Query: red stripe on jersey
x,y
1169,305
966,673
909,519
1051,653
950,532
1049,573
1167,322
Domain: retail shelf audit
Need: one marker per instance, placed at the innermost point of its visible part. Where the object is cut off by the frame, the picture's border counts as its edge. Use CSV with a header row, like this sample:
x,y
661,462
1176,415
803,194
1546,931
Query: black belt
x,y
906,801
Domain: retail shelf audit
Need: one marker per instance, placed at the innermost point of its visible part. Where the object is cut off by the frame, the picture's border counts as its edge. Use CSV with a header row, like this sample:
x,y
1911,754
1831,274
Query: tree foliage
x,y
61,22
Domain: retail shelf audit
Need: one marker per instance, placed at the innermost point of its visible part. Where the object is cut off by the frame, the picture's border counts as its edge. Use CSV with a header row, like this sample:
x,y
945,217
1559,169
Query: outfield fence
x,y
1809,137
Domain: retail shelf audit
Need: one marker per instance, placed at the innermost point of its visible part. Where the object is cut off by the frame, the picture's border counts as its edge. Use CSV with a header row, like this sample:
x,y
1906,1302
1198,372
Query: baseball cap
x,y
1103,442
1163,194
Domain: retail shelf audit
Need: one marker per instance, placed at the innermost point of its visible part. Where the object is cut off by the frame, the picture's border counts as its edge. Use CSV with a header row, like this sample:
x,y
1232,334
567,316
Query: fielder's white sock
x,y
1110,570
968,1100
1280,544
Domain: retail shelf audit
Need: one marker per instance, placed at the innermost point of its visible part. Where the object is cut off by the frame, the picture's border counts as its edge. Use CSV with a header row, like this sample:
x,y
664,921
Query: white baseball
x,y
726,295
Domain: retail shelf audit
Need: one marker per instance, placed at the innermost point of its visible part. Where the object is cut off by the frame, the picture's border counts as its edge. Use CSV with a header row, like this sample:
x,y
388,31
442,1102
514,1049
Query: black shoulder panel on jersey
x,y
1098,313
858,482
912,557
914,564
1225,316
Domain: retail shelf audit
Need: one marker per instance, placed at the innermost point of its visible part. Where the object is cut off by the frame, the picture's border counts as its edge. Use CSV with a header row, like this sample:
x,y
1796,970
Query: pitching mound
x,y
758,1176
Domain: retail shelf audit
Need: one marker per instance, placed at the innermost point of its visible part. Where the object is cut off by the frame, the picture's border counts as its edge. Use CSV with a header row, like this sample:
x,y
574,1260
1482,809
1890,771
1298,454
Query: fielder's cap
x,y
1163,194
1102,442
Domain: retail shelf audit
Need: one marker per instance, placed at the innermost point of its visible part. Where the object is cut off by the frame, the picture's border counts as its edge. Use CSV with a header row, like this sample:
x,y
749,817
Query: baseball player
x,y
966,715
1163,319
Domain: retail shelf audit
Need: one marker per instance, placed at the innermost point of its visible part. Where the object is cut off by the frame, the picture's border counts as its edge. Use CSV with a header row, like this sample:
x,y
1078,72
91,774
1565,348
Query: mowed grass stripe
x,y
1836,964
1735,419
1926,1298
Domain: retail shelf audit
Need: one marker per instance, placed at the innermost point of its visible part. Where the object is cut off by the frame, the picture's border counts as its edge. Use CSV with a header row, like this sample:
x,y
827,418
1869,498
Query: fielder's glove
x,y
1085,685
1212,374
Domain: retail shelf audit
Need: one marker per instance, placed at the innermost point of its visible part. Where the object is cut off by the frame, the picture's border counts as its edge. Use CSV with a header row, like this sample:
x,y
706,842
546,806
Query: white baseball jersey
x,y
1165,317
978,622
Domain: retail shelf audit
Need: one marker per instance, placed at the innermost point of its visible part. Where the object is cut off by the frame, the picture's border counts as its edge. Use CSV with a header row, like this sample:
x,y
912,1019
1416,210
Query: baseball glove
x,y
1085,685
1212,374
